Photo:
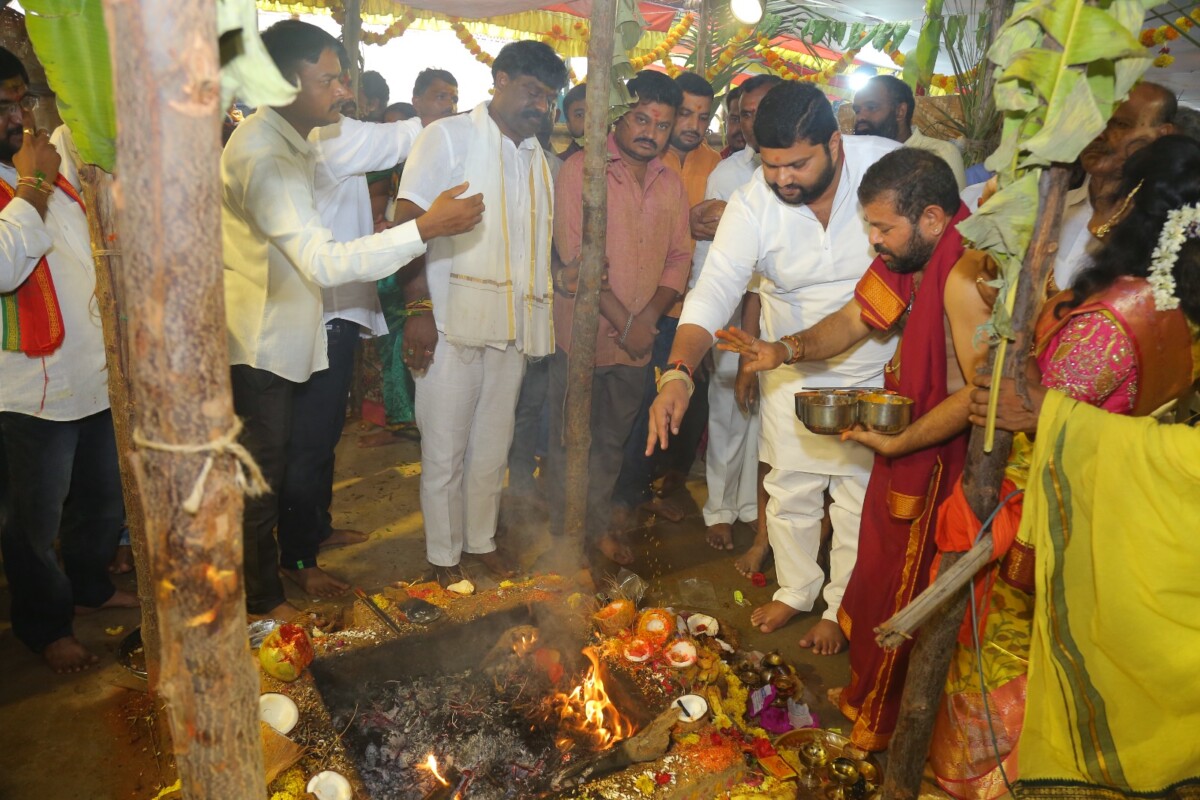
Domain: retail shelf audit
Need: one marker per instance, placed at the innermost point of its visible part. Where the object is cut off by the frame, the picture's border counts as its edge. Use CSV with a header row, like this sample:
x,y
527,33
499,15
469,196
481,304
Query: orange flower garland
x,y
663,51
397,28
726,57
468,41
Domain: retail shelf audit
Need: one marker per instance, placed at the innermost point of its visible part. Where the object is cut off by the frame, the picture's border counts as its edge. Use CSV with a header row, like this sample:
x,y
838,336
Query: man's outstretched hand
x,y
757,355
666,414
450,214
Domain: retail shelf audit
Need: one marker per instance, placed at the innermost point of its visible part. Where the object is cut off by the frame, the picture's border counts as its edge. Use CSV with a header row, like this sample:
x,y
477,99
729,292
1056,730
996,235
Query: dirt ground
x,y
92,736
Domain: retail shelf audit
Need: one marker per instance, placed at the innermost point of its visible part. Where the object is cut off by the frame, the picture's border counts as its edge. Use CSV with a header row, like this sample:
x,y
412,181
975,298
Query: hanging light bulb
x,y
747,12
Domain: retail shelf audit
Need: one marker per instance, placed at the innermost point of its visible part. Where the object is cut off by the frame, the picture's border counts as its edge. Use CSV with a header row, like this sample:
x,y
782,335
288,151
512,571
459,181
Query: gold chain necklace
x,y
1104,229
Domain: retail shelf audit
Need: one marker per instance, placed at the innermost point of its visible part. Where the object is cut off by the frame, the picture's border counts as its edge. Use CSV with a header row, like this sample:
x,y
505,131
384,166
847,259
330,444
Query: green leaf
x,y
1038,67
820,30
856,31
1072,121
1010,95
250,74
883,34
1014,38
1004,224
901,30
71,41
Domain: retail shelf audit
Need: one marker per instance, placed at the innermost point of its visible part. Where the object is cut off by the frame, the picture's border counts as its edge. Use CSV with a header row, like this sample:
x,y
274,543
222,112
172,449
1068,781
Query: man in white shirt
x,y
491,300
63,479
884,107
345,153
731,466
798,224
278,257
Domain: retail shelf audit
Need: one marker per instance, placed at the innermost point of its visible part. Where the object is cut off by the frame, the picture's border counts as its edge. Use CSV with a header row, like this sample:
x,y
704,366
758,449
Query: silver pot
x,y
884,413
826,412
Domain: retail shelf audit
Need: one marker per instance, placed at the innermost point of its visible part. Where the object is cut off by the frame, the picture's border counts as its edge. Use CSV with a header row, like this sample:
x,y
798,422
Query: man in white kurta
x,y
491,296
278,256
731,463
346,151
810,270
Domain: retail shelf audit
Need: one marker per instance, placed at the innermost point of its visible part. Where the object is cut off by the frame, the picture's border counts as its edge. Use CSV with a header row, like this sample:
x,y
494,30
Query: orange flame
x,y
431,764
589,714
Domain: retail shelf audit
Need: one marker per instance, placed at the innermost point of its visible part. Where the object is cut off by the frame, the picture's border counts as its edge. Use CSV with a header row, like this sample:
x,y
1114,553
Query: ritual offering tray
x,y
831,411
829,766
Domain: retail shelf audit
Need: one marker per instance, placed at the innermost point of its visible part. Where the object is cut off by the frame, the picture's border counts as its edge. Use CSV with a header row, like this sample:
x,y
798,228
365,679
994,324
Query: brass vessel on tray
x,y
830,767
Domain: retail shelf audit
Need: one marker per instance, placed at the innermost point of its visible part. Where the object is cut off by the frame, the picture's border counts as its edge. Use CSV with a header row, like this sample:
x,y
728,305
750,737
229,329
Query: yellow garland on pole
x,y
663,51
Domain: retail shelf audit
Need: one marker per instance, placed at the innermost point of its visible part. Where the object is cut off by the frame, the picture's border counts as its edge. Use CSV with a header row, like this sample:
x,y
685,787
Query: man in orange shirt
x,y
690,157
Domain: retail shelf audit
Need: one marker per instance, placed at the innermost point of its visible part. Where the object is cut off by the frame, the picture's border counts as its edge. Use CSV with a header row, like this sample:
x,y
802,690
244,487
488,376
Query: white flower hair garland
x,y
1182,223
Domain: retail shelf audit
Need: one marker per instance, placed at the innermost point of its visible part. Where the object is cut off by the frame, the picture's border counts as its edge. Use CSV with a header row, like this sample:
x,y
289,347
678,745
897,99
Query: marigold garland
x,y
664,48
397,28
1156,37
727,55
468,41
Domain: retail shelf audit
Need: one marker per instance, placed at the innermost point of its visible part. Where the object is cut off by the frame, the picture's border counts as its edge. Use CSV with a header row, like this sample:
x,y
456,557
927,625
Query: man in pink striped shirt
x,y
649,257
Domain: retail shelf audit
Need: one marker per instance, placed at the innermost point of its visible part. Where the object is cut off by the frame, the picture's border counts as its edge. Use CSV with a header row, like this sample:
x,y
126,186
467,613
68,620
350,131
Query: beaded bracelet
x,y
36,183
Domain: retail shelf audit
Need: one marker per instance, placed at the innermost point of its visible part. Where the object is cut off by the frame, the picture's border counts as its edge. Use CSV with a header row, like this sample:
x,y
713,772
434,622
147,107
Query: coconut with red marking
x,y
682,654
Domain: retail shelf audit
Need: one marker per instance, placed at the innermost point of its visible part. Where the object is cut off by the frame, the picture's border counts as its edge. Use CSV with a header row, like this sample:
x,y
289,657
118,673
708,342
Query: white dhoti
x,y
731,463
466,409
794,512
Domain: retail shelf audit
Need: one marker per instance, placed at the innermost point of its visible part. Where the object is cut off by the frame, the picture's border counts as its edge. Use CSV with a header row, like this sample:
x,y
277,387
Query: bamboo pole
x,y
582,360
984,472
351,36
703,37
167,88
102,228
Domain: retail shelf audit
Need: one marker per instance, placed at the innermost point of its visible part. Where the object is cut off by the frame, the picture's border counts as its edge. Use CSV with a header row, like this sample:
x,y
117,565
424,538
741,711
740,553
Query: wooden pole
x,y
351,36
703,37
930,660
582,361
102,227
167,93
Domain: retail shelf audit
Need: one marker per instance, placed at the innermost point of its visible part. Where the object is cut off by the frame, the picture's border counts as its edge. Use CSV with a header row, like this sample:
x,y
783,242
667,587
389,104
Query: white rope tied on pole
x,y
254,486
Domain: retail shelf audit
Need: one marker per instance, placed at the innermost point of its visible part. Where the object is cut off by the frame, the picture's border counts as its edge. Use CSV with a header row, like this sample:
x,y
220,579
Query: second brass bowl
x,y
884,413
826,413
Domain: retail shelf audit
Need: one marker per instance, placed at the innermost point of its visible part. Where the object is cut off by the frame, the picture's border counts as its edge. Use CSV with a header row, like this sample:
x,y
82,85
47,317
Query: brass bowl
x,y
884,413
827,413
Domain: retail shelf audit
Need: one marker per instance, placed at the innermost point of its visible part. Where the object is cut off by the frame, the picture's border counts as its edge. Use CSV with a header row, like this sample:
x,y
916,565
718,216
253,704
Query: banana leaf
x,y
71,41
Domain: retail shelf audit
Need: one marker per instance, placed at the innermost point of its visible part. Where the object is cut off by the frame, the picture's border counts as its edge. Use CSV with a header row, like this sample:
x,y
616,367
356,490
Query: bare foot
x,y
67,655
316,581
772,616
616,548
825,638
120,599
497,562
753,559
122,563
720,536
342,537
286,612
664,508
387,436
672,481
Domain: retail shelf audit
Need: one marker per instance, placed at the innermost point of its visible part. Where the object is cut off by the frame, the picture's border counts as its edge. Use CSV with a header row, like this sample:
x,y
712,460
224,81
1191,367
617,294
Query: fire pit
x,y
490,707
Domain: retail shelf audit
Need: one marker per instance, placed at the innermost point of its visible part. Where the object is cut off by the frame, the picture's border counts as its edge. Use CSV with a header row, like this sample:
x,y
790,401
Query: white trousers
x,y
794,512
731,463
466,409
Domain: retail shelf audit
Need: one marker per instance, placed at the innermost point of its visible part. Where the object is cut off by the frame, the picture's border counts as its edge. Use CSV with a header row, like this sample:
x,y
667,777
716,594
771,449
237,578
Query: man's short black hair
x,y
11,67
733,94
916,179
649,86
794,112
691,83
759,81
403,110
577,94
290,41
374,86
898,92
533,58
426,77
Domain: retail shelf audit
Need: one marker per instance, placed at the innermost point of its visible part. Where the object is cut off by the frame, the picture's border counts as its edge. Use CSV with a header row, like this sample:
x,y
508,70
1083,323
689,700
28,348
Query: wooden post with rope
x,y
167,92
582,363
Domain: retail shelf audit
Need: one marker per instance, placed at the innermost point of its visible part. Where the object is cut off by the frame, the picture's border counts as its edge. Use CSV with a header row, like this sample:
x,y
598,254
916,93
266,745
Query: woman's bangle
x,y
418,308
676,375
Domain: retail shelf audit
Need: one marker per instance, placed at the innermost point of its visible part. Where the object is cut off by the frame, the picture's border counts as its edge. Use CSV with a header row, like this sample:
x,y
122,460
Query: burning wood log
x,y
647,745
451,782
